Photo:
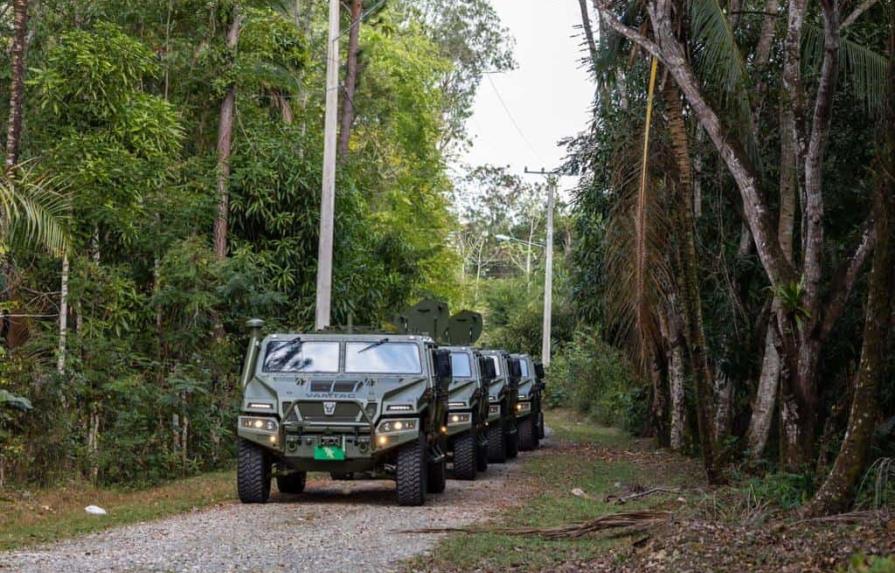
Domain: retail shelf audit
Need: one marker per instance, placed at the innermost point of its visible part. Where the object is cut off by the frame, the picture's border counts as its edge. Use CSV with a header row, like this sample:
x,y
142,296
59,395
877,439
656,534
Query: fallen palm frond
x,y
634,519
852,517
621,499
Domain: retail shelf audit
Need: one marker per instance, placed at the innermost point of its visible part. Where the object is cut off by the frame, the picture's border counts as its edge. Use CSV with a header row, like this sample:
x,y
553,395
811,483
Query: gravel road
x,y
334,526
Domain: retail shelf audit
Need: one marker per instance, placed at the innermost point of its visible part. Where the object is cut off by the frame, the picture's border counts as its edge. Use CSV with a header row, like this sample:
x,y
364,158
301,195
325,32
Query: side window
x,y
523,363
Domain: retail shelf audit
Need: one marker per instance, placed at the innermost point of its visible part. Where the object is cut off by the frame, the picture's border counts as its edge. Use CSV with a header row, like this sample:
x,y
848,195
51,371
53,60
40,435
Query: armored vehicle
x,y
348,404
468,411
503,392
529,416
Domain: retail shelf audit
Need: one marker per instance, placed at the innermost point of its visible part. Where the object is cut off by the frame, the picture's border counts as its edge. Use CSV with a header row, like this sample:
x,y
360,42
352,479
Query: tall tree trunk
x,y
63,316
769,380
799,447
351,74
676,376
17,82
225,139
837,491
588,32
765,398
692,303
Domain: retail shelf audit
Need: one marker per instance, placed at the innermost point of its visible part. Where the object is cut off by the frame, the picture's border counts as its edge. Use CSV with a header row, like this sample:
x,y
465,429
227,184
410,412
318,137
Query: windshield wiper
x,y
374,345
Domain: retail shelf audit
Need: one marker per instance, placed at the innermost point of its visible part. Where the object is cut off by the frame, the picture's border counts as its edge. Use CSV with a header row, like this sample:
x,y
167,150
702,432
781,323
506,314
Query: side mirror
x,y
539,370
515,368
443,368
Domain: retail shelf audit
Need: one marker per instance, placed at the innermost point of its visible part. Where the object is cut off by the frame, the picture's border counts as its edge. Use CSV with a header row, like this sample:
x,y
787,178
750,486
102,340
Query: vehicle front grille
x,y
345,412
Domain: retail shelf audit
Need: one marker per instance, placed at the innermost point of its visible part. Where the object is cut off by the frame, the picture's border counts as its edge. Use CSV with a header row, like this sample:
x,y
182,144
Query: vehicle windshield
x,y
460,365
298,356
523,363
383,357
496,365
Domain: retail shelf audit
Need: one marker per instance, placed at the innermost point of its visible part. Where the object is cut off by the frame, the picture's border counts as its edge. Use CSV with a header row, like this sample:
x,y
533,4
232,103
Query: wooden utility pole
x,y
548,270
328,193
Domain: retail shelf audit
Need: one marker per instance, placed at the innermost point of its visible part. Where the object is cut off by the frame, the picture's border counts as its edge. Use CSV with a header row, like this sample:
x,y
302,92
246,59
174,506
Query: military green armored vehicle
x,y
349,404
529,415
468,411
503,392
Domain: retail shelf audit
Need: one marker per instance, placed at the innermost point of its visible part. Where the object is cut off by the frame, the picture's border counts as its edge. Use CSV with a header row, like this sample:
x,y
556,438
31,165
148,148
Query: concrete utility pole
x,y
328,193
548,270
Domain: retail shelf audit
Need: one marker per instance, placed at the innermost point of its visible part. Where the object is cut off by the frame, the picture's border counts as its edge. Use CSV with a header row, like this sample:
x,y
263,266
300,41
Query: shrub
x,y
596,379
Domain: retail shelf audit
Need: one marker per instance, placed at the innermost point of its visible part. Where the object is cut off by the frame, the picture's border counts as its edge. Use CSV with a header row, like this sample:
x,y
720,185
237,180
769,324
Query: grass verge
x,y
597,460
30,517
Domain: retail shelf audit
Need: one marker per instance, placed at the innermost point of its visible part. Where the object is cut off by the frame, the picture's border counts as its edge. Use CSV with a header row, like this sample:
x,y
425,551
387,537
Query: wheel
x,y
465,454
512,440
411,473
293,482
527,433
481,455
540,423
497,446
437,476
253,473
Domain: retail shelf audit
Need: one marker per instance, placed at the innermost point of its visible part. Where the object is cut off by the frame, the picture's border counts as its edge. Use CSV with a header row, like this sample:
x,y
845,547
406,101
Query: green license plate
x,y
329,453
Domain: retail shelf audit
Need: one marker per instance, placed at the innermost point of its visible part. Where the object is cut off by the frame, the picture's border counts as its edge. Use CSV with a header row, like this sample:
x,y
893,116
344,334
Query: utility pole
x,y
328,193
548,270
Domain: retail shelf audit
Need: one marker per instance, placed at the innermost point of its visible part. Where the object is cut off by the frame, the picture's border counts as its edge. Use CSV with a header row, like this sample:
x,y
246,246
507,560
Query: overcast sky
x,y
548,94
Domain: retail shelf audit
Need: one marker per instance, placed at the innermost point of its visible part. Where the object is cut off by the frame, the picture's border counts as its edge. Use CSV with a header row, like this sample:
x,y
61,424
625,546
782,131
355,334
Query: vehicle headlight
x,y
259,406
393,426
459,418
523,407
257,424
494,410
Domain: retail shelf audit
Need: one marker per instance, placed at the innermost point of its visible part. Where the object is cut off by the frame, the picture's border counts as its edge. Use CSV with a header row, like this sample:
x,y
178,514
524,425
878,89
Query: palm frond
x,y
32,211
636,241
863,68
722,68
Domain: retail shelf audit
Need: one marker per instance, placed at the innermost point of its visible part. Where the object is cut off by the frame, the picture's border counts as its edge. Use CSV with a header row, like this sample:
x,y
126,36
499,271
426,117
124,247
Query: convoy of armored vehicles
x,y
392,405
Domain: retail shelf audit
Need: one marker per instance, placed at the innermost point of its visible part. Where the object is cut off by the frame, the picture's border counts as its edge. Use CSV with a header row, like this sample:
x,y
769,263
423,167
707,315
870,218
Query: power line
x,y
506,109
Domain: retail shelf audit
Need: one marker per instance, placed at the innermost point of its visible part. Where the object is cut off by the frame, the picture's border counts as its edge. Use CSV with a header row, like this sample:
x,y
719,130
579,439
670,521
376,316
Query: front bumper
x,y
363,447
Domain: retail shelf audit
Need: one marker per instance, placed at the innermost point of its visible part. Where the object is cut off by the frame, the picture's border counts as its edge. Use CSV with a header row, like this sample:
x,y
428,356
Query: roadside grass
x,y
39,516
599,461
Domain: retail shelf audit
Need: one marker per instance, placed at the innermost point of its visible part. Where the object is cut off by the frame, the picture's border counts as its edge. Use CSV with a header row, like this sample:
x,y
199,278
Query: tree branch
x,y
820,128
845,279
856,13
629,33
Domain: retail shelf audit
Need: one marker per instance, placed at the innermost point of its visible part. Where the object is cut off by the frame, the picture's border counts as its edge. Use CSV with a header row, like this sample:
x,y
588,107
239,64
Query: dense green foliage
x,y
121,119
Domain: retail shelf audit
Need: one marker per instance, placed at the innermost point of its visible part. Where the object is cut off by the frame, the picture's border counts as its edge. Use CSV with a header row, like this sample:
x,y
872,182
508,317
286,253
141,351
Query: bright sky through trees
x,y
547,97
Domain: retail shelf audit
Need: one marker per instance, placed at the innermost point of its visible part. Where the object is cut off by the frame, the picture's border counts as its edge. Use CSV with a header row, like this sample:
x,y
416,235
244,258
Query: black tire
x,y
481,456
253,473
527,434
497,445
540,425
465,453
411,473
293,482
512,440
